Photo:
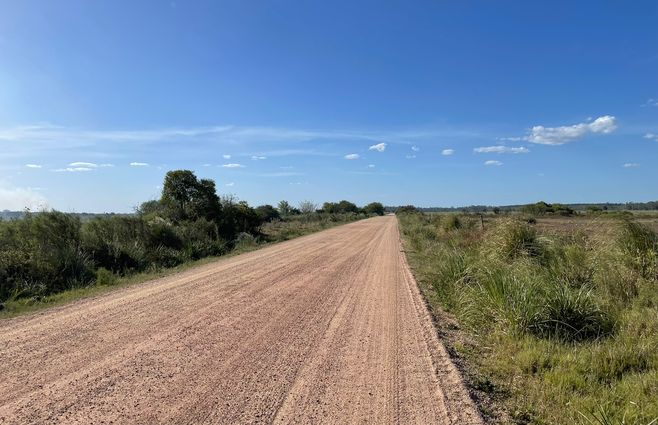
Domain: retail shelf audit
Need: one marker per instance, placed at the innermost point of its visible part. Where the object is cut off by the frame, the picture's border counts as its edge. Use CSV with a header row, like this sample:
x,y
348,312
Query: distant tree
x,y
407,209
307,207
347,206
285,209
330,207
186,197
267,213
374,208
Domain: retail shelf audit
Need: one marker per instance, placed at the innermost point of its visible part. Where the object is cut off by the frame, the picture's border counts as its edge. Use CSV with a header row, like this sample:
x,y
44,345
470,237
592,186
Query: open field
x,y
554,322
327,328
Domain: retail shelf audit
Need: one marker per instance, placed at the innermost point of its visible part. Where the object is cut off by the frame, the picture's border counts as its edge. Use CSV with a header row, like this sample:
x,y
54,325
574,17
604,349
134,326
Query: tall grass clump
x,y
640,246
511,239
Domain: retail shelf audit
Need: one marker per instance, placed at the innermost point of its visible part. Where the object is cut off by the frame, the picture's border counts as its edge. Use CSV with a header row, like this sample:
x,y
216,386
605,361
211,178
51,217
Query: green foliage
x,y
451,222
374,208
640,245
285,209
41,254
542,208
563,325
407,209
267,213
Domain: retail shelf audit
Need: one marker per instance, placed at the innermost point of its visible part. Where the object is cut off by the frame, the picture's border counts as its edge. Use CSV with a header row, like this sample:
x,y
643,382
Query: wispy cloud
x,y
631,165
258,158
139,164
565,134
447,152
379,147
493,163
352,156
83,164
33,165
371,165
73,169
226,156
233,165
410,156
650,102
501,149
415,148
509,139
651,136
230,184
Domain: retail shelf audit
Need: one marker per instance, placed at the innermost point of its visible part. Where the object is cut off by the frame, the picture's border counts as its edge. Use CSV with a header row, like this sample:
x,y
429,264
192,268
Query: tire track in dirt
x,y
327,328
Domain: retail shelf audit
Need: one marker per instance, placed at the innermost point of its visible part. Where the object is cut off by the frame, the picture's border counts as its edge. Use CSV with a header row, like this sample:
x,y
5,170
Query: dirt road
x,y
328,328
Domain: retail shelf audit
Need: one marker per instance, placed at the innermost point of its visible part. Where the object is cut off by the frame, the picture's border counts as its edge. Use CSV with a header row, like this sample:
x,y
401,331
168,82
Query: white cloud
x,y
83,164
258,158
73,169
371,165
651,136
206,165
379,147
33,165
352,156
233,166
17,198
106,165
225,156
493,162
650,102
509,139
230,184
415,148
410,156
447,152
139,164
565,134
501,149
631,165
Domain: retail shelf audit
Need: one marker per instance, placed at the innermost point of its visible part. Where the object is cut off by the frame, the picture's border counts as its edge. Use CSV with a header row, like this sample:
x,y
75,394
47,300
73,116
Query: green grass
x,y
106,281
551,327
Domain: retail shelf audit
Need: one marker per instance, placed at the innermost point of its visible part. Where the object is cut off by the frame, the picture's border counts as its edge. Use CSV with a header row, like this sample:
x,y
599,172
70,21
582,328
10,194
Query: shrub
x,y
512,239
571,315
640,247
451,222
105,277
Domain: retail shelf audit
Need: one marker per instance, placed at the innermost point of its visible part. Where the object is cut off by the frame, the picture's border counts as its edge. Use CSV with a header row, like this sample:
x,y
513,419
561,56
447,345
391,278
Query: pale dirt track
x,y
328,328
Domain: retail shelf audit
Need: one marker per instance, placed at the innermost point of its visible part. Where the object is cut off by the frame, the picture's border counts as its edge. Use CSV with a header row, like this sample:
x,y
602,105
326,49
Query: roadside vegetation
x,y
550,325
50,256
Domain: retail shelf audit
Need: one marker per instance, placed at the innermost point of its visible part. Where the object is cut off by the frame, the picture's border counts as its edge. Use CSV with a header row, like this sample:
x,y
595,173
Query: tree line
x,y
48,252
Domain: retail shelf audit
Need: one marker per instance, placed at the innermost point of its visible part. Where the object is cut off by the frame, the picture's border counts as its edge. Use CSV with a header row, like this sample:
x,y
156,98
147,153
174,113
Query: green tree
x,y
185,197
285,209
374,208
267,213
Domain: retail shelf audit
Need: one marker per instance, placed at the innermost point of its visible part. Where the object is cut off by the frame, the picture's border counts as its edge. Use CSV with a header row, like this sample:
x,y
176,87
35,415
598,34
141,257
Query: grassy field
x,y
554,322
271,232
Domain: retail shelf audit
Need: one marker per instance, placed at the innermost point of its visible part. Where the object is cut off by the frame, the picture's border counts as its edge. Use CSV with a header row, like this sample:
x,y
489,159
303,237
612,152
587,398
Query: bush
x,y
512,239
105,277
571,315
41,254
640,247
451,222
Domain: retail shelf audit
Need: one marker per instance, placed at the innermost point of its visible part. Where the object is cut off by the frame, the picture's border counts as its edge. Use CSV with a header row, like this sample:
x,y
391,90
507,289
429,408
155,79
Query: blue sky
x,y
436,103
